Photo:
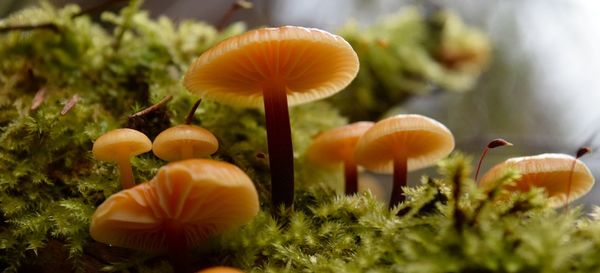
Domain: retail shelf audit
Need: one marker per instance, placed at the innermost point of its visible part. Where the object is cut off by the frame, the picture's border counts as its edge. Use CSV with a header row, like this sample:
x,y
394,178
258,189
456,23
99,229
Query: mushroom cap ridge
x,y
205,197
548,171
422,140
311,63
120,143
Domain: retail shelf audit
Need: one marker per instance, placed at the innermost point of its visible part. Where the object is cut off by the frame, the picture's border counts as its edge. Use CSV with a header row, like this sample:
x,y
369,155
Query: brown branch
x,y
152,108
48,26
190,115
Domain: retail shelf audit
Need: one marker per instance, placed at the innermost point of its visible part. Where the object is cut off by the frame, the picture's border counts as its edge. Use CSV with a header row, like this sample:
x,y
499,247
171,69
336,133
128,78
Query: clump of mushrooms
x,y
402,143
274,67
120,145
552,172
184,204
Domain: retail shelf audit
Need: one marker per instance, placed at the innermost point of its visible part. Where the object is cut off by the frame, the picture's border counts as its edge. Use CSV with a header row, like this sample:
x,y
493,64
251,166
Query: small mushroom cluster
x,y
393,145
188,200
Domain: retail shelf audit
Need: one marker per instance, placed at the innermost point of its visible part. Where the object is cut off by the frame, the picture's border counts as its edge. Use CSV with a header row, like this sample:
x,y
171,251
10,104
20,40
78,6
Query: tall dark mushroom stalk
x,y
274,68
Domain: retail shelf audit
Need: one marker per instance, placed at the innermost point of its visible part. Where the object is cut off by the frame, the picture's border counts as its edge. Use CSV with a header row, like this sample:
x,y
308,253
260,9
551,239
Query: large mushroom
x,y
274,67
184,204
402,143
119,146
336,146
552,172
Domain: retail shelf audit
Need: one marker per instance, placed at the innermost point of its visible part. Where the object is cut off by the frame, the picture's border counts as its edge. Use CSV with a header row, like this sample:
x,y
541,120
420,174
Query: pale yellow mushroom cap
x,y
184,142
420,139
312,64
337,145
221,269
205,197
548,171
120,144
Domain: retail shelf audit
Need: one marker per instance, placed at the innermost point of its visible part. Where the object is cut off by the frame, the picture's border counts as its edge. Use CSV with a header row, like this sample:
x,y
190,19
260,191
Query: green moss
x,y
50,184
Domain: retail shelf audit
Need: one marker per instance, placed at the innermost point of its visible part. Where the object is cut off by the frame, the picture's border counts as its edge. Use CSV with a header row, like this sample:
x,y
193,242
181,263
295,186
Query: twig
x,y
152,108
190,115
49,26
237,5
39,98
70,103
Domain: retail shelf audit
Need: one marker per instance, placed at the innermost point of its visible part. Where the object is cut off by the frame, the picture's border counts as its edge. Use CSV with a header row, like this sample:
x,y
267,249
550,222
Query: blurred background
x,y
541,90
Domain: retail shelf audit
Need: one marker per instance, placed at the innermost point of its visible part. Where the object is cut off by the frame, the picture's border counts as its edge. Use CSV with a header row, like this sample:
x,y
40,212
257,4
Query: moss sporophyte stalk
x,y
52,189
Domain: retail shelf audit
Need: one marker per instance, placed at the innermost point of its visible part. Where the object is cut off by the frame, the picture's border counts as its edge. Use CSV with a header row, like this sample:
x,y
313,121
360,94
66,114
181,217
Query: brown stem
x,y
152,108
485,151
400,172
498,142
190,116
279,140
351,177
126,174
178,253
49,26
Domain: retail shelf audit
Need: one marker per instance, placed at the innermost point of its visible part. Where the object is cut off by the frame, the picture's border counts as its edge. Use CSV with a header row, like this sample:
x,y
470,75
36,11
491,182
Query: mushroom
x,y
337,146
184,142
184,204
402,143
221,269
120,145
273,67
551,172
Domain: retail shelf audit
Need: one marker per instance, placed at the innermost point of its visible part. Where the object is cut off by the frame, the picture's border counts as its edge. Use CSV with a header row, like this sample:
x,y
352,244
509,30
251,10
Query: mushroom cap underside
x,y
309,62
170,142
120,143
337,145
548,171
421,140
204,197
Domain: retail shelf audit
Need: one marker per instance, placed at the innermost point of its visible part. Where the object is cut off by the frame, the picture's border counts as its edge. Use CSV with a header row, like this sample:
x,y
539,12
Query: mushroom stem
x,y
177,247
126,173
351,177
485,151
279,140
400,172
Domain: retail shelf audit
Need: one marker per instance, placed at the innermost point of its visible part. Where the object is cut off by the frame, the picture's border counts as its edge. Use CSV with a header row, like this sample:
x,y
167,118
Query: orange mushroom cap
x,y
221,269
120,144
201,197
184,142
311,63
420,139
337,145
548,171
